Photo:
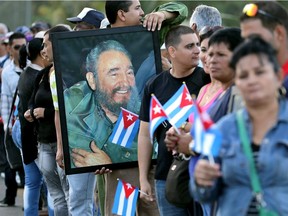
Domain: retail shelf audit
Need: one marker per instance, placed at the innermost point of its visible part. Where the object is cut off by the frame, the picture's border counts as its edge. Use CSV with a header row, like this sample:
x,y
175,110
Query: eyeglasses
x,y
209,30
17,47
251,10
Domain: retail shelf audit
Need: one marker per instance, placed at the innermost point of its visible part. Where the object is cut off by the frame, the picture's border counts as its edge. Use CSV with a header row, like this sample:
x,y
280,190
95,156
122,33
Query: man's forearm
x,y
58,130
144,151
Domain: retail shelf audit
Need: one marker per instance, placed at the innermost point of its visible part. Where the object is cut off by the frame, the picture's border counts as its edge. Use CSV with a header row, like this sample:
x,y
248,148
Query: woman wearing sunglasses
x,y
250,175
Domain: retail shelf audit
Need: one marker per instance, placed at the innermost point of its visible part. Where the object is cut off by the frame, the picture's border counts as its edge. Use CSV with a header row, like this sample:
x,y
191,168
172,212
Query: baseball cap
x,y
26,31
5,38
88,15
39,26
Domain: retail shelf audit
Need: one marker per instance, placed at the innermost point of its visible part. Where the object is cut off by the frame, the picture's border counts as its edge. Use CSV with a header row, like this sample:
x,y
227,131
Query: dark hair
x,y
59,28
112,7
14,36
274,9
207,31
30,51
255,45
172,37
229,36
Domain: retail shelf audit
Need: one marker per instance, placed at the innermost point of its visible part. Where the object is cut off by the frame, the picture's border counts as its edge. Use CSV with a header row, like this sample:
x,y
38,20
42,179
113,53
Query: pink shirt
x,y
207,105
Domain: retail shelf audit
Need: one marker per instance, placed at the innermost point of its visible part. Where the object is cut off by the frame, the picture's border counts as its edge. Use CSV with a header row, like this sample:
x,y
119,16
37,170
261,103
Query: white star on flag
x,y
157,115
157,109
129,117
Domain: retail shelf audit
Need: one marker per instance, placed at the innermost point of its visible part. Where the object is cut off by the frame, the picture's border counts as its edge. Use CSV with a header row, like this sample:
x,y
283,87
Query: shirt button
x,y
127,155
105,145
265,141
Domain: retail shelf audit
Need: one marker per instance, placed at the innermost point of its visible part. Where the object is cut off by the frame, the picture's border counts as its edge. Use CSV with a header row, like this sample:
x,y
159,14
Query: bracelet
x,y
163,14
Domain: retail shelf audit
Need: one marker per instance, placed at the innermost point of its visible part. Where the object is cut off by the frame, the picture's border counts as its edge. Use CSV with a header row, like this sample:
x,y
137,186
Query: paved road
x,y
15,210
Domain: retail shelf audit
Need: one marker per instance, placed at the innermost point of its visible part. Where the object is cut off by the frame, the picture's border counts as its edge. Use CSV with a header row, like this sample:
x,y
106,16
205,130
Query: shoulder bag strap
x,y
12,106
248,152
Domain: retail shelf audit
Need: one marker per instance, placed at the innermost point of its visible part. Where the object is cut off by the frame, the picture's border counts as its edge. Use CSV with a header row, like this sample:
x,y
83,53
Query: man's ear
x,y
171,51
280,33
194,27
42,54
91,80
121,15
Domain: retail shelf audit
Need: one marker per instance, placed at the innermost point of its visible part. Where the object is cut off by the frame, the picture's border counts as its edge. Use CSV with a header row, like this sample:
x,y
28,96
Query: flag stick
x,y
142,192
176,129
211,159
138,190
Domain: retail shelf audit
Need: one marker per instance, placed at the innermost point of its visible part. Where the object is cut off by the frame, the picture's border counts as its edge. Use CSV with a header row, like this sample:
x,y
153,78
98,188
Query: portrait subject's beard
x,y
105,99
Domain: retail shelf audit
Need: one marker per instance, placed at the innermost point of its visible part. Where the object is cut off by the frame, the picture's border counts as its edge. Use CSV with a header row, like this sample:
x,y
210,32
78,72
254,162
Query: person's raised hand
x,y
153,20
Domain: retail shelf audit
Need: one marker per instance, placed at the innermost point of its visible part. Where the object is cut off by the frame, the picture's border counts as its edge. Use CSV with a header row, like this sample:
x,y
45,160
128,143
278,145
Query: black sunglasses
x,y
17,47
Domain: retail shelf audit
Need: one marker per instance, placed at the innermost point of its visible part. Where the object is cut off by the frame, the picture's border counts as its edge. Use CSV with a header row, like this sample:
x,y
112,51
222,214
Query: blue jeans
x,y
33,180
81,194
54,177
33,183
165,208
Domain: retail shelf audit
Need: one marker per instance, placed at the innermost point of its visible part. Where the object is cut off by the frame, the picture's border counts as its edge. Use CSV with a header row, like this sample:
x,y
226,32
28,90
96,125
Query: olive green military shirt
x,y
86,121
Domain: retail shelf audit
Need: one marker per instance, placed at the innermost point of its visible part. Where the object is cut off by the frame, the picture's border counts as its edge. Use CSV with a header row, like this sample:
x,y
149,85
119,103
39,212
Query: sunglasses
x,y
251,10
17,47
208,30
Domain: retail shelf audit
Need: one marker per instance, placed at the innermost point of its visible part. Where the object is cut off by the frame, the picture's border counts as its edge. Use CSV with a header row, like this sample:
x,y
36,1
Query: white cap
x,y
40,34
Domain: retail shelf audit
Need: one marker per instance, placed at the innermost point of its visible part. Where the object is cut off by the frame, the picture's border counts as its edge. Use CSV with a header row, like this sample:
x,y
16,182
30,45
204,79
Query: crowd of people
x,y
238,75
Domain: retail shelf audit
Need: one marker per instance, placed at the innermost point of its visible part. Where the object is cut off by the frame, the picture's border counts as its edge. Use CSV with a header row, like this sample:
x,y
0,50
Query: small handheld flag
x,y
125,199
157,115
207,139
125,129
179,106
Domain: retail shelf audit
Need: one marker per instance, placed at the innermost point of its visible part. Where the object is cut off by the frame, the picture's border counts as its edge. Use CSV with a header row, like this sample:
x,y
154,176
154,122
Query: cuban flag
x,y
125,129
157,115
207,138
125,199
179,106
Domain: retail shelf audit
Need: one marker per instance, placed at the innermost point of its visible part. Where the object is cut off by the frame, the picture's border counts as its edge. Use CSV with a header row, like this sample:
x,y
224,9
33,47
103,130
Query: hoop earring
x,y
282,91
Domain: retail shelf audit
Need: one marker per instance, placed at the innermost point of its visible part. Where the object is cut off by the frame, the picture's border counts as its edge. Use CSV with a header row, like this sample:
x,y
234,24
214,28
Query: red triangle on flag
x,y
128,117
205,118
186,99
128,189
157,110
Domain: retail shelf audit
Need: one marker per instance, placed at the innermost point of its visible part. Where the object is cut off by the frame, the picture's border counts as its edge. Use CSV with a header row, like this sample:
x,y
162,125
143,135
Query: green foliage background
x,y
16,13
